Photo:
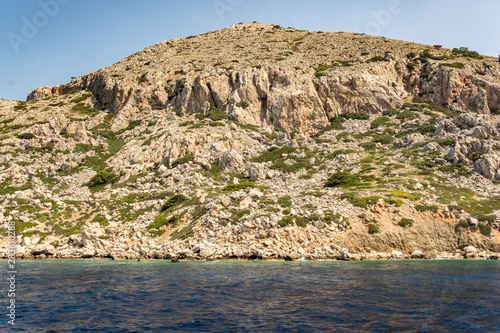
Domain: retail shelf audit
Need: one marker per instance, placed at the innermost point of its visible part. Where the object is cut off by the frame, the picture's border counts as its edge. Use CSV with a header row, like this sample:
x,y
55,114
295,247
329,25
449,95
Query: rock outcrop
x,y
297,93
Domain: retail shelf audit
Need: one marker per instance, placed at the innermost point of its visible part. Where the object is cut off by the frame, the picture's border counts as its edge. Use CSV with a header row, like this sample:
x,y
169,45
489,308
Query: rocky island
x,y
259,142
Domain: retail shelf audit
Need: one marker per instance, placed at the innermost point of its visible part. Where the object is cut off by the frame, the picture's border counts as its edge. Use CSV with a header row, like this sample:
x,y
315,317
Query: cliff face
x,y
257,141
285,78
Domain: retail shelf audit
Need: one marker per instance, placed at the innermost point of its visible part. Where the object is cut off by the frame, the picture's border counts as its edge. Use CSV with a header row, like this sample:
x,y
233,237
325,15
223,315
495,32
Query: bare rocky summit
x,y
258,141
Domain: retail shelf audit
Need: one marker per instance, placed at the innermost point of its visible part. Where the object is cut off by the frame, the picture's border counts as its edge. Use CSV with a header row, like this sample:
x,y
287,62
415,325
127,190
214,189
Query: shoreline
x,y
395,255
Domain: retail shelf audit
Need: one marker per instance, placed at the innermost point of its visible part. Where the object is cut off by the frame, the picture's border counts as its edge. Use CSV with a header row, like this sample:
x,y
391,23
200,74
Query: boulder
x,y
256,170
489,166
470,251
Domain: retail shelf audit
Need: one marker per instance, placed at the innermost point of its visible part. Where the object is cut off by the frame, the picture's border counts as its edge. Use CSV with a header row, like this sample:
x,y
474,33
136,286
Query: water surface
x,y
256,296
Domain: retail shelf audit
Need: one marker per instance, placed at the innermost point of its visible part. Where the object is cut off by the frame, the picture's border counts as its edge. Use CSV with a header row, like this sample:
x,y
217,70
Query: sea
x,y
254,296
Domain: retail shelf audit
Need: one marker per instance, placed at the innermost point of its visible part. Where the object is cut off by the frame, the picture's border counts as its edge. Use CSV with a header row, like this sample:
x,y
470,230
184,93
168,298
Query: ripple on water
x,y
247,296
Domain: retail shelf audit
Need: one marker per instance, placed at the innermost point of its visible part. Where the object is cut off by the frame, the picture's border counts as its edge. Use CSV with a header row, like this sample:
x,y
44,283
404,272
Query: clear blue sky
x,y
46,42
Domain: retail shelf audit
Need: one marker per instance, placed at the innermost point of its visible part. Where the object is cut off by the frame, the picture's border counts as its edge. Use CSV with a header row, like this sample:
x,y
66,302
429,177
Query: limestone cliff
x,y
295,80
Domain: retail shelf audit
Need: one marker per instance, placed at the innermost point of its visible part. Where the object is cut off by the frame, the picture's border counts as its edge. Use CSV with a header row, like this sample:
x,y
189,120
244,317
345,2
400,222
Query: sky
x,y
46,42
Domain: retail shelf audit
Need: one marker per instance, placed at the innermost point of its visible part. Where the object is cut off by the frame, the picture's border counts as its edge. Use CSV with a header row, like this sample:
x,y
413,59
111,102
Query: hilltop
x,y
257,141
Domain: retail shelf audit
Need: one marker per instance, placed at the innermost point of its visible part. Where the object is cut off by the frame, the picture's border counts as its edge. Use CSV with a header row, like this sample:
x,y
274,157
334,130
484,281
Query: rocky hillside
x,y
257,141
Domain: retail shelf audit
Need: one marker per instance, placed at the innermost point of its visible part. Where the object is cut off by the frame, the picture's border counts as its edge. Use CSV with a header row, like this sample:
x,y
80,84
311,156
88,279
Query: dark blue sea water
x,y
248,296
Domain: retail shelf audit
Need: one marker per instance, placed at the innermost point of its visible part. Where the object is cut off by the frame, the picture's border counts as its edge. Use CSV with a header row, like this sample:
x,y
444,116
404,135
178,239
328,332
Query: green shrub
x,y
405,222
463,224
186,123
446,142
487,218
343,179
239,186
177,112
161,220
216,124
359,116
380,121
20,105
399,194
458,65
81,98
383,139
273,155
464,51
423,129
102,178
301,221
100,219
173,202
286,220
285,201
335,124
368,145
425,208
243,104
373,228
83,148
377,59
360,202
485,230
390,112
84,109
133,124
395,202
26,136
214,115
187,158
406,115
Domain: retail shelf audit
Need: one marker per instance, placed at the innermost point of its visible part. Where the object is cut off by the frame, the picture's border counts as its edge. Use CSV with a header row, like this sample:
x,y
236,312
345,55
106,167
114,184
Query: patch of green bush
x,y
83,148
383,139
355,200
216,124
405,222
458,65
242,104
399,194
446,142
395,202
464,51
485,230
84,109
390,112
239,186
373,228
368,145
343,179
81,98
185,159
26,136
285,201
214,115
173,202
406,115
487,218
377,59
426,208
358,116
102,178
101,220
133,124
380,121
